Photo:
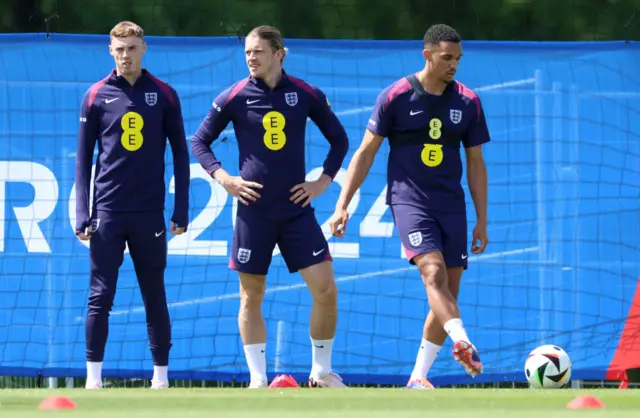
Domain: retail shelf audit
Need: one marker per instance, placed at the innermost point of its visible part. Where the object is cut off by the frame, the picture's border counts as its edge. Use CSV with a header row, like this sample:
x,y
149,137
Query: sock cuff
x,y
428,344
452,323
322,341
259,346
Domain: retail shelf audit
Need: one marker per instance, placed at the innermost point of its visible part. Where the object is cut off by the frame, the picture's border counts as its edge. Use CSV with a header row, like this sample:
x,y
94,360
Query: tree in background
x,y
542,20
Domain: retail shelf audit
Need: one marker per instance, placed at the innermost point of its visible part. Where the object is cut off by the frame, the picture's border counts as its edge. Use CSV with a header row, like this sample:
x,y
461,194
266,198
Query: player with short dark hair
x,y
130,114
426,116
269,112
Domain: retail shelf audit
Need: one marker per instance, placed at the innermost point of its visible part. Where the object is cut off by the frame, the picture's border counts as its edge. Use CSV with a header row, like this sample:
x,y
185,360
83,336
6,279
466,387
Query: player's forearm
x,y
83,179
337,153
201,150
182,174
478,186
356,173
84,160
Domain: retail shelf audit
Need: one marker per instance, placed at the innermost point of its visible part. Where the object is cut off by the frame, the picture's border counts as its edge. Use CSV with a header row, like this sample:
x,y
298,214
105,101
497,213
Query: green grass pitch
x,y
325,403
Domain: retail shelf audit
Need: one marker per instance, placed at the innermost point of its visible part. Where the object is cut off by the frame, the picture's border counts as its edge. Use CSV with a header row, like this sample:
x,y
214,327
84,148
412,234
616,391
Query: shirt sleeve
x,y
174,127
333,130
380,119
214,123
477,133
87,138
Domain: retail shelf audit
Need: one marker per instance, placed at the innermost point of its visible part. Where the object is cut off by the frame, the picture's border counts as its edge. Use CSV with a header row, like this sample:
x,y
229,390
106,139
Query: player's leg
x,y
455,255
305,249
422,240
433,334
253,242
147,239
445,309
106,254
253,330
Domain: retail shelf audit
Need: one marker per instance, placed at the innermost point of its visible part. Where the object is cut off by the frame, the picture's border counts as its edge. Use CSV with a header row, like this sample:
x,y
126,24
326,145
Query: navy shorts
x,y
422,231
298,236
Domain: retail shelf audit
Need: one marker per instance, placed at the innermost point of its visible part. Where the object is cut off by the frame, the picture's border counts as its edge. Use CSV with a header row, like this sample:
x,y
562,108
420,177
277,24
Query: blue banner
x,y
561,267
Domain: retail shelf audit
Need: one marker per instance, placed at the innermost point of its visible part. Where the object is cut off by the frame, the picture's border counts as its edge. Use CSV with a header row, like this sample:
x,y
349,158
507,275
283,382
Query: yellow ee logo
x,y
132,124
432,155
274,136
435,128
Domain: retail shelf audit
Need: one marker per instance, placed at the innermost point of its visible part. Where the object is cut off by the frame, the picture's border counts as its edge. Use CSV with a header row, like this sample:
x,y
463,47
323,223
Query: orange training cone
x,y
585,402
284,381
57,402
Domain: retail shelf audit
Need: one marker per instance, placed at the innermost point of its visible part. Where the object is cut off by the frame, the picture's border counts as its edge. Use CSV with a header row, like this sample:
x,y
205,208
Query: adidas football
x,y
548,367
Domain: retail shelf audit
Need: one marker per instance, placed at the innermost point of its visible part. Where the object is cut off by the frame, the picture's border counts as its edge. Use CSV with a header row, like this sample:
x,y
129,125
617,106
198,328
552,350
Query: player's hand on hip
x,y
242,190
338,222
479,234
309,190
176,230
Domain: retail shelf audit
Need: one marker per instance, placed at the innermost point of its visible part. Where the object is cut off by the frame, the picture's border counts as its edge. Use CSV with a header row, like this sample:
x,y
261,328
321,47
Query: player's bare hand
x,y
309,190
176,231
479,234
84,236
241,189
338,223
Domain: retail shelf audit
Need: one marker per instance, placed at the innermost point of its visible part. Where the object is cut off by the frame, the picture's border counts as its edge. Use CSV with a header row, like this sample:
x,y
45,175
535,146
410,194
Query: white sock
x,y
161,374
321,357
425,358
257,361
456,330
94,371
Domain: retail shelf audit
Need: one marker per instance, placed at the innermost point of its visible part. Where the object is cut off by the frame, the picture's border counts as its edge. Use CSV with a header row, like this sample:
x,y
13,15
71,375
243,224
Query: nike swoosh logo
x,y
252,101
110,100
464,256
159,233
415,113
315,253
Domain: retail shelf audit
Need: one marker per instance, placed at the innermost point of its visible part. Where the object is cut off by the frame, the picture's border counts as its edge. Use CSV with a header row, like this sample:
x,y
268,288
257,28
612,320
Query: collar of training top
x,y
115,77
284,81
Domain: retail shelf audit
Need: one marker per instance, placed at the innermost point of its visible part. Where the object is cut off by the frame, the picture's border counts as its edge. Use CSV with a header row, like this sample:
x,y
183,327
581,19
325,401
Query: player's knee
x,y
101,303
434,277
433,271
326,293
252,292
252,298
321,283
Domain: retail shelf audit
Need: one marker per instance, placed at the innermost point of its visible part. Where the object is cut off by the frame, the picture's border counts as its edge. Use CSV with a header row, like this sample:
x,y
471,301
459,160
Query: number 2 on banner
x,y
186,243
338,249
372,225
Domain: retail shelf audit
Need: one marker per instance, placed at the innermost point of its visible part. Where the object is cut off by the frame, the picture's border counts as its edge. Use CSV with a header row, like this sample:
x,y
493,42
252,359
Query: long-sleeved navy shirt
x,y
131,125
270,128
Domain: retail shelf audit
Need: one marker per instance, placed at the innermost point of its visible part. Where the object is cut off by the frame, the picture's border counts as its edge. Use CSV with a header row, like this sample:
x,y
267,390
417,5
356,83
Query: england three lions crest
x,y
243,255
291,98
151,98
415,238
455,115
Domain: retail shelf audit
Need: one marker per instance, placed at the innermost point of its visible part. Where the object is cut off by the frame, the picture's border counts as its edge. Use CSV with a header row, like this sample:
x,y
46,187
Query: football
x,y
548,367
